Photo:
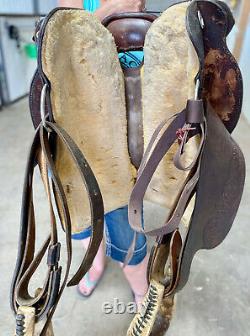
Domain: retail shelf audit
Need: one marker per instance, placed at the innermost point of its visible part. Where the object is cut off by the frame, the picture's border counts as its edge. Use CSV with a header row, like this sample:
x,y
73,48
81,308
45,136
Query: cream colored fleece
x,y
80,60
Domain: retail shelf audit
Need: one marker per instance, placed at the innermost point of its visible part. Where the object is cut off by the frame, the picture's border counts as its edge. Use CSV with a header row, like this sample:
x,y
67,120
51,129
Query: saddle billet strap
x,y
95,199
149,166
151,144
218,195
194,116
154,153
46,299
138,192
26,262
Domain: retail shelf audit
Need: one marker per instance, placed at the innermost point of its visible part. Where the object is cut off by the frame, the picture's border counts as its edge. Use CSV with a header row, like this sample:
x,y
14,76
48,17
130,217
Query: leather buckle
x,y
194,111
54,254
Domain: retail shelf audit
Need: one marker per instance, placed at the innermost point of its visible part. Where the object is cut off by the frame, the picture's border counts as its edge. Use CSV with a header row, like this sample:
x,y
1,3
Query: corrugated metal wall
x,y
26,6
16,7
46,6
17,68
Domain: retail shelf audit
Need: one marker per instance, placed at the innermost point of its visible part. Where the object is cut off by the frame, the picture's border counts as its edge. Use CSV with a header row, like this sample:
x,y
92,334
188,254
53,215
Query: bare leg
x,y
86,286
137,278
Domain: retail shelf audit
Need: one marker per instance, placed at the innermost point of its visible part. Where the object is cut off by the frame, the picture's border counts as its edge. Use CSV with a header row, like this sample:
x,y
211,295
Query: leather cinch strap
x,y
46,298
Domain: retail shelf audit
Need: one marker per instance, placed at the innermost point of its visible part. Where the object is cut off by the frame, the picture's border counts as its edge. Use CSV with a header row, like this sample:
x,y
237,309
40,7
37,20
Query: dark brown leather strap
x,y
133,95
129,29
218,194
46,299
150,163
27,263
95,199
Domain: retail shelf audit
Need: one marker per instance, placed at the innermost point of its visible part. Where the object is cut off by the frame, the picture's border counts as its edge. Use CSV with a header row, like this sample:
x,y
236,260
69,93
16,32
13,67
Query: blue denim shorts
x,y
119,236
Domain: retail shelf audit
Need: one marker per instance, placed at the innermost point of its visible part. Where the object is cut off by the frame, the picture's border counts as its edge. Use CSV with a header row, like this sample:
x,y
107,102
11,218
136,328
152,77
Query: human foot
x,y
90,281
139,298
137,278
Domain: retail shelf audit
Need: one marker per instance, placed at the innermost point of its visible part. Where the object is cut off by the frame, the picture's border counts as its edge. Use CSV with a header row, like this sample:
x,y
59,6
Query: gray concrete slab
x,y
215,302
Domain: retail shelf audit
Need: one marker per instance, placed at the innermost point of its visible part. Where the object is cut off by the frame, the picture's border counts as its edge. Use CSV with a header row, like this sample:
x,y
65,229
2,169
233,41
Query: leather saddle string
x,y
177,158
152,142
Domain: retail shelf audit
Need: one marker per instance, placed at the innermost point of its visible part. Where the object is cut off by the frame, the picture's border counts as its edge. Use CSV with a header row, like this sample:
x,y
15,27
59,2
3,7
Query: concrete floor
x,y
216,301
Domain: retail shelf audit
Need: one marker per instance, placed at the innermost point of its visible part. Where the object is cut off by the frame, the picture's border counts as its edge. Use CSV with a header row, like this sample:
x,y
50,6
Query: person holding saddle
x,y
118,233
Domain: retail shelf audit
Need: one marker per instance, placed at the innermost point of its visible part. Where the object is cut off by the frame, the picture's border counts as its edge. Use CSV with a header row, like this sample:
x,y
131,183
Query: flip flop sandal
x,y
89,284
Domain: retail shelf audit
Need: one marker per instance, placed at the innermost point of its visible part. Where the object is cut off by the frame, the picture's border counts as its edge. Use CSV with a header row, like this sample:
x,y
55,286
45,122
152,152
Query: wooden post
x,y
242,26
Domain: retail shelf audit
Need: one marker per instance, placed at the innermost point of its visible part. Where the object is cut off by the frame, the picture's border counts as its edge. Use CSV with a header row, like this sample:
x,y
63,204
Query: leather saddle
x,y
199,123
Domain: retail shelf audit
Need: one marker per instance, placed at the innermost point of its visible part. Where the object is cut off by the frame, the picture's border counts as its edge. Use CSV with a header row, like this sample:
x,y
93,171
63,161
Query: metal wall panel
x,y
45,6
17,68
16,7
2,79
